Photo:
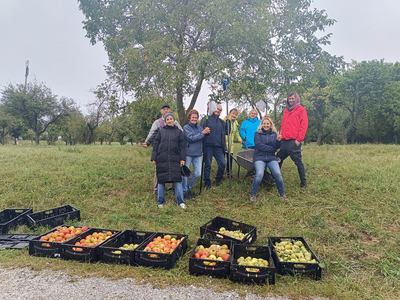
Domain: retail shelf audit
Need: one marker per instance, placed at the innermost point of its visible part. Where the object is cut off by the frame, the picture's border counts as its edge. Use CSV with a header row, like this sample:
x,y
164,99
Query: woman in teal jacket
x,y
248,129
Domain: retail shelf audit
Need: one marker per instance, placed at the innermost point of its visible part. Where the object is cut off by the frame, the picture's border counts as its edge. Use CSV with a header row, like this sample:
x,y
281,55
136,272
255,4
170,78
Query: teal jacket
x,y
247,131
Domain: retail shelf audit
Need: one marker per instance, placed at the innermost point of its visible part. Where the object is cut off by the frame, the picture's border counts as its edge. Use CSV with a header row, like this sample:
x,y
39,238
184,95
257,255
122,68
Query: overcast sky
x,y
49,34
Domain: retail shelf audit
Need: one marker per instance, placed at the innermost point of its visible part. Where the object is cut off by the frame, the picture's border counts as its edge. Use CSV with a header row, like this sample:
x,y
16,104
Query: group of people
x,y
175,147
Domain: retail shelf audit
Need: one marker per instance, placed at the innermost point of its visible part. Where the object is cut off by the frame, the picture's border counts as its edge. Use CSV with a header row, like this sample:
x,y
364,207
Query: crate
x,y
54,217
13,244
53,250
106,250
163,260
197,266
211,228
18,237
239,273
312,270
11,218
82,253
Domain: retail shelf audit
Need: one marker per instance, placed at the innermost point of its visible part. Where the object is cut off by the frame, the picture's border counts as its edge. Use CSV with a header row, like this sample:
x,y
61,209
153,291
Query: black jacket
x,y
216,137
168,151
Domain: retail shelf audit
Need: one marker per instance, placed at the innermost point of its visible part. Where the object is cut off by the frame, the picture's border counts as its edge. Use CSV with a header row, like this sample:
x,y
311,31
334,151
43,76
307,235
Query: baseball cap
x,y
165,105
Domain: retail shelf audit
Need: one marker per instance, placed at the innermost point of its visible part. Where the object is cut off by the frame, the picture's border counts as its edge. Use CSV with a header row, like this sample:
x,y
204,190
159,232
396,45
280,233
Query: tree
x,y
172,47
6,123
35,104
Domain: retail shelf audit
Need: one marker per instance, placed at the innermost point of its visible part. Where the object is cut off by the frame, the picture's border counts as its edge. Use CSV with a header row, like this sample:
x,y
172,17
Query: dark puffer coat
x,y
266,145
168,151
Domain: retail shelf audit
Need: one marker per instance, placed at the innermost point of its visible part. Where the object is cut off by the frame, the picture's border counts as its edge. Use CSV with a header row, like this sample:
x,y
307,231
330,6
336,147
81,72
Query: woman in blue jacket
x,y
248,129
194,135
267,141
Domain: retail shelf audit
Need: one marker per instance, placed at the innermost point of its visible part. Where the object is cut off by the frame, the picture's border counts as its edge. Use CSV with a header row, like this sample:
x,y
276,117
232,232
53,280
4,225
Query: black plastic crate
x,y
109,252
291,268
54,217
47,248
82,253
18,237
11,218
221,268
161,260
210,230
242,274
12,244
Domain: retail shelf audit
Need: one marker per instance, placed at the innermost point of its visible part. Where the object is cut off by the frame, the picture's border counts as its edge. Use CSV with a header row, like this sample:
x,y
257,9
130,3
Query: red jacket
x,y
294,124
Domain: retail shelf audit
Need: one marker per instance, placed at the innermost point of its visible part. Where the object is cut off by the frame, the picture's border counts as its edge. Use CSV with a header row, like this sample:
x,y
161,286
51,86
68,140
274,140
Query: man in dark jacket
x,y
215,145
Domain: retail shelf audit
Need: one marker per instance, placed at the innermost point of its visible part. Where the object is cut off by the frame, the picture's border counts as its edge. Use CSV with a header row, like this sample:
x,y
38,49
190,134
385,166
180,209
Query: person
x,y
157,124
293,129
169,155
248,129
194,135
233,126
267,141
215,145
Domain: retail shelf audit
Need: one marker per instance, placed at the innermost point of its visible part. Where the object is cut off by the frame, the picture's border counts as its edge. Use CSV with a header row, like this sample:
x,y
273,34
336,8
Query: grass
x,y
349,214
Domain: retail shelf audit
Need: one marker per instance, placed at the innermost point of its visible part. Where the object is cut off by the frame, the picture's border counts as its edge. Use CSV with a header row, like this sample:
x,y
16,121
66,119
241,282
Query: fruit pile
x,y
126,247
293,252
214,252
92,240
166,244
252,261
237,234
61,234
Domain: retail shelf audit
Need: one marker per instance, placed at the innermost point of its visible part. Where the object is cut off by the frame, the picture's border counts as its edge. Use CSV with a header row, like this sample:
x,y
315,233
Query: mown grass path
x,y
349,214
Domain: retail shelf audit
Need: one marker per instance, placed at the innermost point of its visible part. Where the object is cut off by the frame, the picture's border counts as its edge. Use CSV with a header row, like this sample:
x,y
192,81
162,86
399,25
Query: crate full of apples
x,y
84,247
49,244
211,258
162,251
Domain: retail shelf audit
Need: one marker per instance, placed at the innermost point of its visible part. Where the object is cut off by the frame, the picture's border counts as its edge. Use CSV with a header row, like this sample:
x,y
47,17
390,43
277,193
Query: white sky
x,y
49,34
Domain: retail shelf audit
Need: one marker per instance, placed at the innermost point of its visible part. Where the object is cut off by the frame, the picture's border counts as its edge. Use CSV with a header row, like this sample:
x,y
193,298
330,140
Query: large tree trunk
x,y
37,138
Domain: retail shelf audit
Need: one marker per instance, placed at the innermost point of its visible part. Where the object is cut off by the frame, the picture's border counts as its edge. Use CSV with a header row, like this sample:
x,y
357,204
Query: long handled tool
x,y
225,83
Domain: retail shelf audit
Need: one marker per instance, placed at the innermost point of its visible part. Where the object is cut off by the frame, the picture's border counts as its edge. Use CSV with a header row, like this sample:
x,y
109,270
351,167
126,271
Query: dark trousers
x,y
229,163
289,148
218,154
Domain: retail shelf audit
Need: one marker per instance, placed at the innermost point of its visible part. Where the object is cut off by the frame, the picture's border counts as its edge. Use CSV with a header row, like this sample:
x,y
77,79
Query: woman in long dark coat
x,y
169,155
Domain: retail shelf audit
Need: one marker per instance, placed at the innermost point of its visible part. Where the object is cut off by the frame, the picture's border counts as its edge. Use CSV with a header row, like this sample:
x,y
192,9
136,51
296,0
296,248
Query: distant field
x,y
349,215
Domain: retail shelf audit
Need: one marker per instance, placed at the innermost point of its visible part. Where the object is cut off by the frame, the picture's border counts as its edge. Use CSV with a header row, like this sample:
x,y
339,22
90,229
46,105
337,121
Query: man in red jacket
x,y
293,130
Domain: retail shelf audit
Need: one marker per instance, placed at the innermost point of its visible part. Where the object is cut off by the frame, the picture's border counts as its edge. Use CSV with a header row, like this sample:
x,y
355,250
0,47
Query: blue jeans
x,y
196,161
276,172
219,155
178,193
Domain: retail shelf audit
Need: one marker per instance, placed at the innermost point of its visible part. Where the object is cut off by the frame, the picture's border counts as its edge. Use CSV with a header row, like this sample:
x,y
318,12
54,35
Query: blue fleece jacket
x,y
193,139
247,131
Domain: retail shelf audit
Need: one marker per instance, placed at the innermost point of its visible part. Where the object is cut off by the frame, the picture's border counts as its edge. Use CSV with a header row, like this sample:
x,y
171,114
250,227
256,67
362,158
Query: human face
x,y
218,112
253,114
234,114
165,110
193,118
291,100
170,121
266,125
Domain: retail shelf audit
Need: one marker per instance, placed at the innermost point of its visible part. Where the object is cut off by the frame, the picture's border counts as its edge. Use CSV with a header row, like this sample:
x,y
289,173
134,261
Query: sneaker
x,y
183,205
207,186
303,187
155,193
253,199
186,196
191,196
160,205
284,198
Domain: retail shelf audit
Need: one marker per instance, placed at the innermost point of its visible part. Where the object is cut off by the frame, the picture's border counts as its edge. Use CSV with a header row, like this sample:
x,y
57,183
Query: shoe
x,y
227,176
218,183
155,193
191,196
183,205
303,187
186,196
207,187
160,205
284,198
253,199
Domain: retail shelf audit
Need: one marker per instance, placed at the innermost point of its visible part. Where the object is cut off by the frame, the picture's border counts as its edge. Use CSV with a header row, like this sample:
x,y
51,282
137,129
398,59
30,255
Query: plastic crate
x,y
197,266
106,250
291,268
18,237
11,218
53,250
239,273
54,217
82,253
211,228
12,244
163,260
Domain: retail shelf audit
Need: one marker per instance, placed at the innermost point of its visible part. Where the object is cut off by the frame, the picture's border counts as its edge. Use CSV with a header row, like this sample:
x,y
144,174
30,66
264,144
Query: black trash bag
x,y
185,171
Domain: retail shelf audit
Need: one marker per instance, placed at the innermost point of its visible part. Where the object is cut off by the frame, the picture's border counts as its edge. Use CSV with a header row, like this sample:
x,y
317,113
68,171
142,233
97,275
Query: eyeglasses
x,y
219,109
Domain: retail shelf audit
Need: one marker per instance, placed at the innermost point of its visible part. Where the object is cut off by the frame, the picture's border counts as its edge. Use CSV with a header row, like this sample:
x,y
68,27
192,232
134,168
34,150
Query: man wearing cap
x,y
215,145
160,123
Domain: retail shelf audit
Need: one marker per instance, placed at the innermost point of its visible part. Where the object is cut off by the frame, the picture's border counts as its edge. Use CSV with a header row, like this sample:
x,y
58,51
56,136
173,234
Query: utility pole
x,y
26,71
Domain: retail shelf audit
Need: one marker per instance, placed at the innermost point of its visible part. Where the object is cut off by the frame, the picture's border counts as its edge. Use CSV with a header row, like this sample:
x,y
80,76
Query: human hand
x,y
242,142
206,130
144,145
182,162
297,142
154,162
279,136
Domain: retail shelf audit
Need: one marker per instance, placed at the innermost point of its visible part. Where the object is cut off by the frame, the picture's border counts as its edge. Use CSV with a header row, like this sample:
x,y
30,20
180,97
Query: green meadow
x,y
349,215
